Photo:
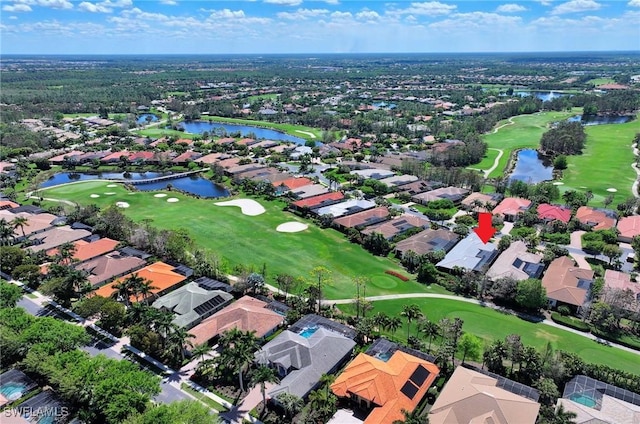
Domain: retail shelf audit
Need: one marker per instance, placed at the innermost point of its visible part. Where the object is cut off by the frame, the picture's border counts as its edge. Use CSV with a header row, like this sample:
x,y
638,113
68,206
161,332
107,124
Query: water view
x,y
192,184
146,118
531,167
545,96
600,120
199,127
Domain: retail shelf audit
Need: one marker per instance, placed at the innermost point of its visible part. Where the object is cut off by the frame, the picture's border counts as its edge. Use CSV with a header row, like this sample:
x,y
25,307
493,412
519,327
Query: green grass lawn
x,y
161,132
203,398
525,132
491,325
601,81
605,162
252,241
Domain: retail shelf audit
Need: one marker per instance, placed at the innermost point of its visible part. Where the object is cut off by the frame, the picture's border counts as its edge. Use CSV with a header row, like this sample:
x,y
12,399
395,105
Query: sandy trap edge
x,y
291,227
248,206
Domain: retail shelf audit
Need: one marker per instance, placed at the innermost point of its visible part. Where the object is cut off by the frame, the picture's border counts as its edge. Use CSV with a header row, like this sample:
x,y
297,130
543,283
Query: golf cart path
x,y
312,135
634,187
495,162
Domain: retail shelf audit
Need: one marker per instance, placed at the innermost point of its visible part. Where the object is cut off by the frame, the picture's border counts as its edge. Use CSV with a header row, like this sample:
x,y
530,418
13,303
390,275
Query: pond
x,y
531,167
600,120
545,96
199,127
142,119
192,184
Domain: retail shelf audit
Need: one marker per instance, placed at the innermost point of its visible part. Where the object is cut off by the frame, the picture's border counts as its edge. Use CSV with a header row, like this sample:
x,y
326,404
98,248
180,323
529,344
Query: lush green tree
x,y
376,243
291,404
321,276
237,349
531,294
603,318
10,258
470,346
427,274
178,412
548,391
412,417
393,324
19,222
261,376
56,335
10,294
29,274
560,162
6,233
411,312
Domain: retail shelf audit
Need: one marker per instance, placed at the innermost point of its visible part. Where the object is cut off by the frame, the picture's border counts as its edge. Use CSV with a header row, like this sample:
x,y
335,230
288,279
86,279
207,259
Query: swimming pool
x,y
584,399
383,356
13,391
308,332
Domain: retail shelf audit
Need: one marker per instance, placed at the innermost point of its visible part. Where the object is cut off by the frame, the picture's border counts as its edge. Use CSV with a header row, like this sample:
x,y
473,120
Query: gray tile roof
x,y
305,359
470,254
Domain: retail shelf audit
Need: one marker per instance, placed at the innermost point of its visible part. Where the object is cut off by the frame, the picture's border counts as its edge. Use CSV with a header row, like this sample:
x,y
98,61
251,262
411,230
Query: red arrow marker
x,y
484,229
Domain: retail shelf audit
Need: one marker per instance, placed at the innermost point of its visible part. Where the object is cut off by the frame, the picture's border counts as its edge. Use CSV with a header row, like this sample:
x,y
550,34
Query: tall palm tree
x,y
200,351
238,347
327,380
163,325
66,252
6,232
291,404
429,329
410,312
323,402
263,375
19,222
380,320
177,342
134,281
122,291
146,290
564,417
412,418
393,324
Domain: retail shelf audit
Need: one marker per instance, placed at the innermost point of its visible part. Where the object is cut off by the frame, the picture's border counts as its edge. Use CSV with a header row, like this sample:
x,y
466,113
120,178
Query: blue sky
x,y
319,26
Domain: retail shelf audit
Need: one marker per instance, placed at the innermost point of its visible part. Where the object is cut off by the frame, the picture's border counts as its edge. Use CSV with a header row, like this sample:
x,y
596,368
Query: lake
x,y
600,120
531,167
142,119
545,96
199,127
192,184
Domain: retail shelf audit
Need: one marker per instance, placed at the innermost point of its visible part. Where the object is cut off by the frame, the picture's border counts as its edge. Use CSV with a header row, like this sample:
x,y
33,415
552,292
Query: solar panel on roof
x,y
209,305
419,375
409,390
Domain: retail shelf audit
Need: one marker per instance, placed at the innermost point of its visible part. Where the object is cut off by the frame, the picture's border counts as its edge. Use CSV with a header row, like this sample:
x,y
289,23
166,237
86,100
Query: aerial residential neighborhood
x,y
225,233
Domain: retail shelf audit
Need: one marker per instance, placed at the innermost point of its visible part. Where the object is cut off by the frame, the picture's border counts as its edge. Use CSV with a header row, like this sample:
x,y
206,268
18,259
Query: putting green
x,y
252,241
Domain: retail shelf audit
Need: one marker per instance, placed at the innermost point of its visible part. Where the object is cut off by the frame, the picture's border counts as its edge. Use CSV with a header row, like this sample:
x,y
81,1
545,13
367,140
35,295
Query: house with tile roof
x,y
428,241
469,254
89,248
108,266
597,219
469,202
566,283
628,228
517,263
397,226
309,190
163,278
455,194
511,207
362,219
246,314
548,213
397,181
473,397
617,280
290,184
192,303
55,237
36,223
346,207
317,201
385,389
416,187
300,359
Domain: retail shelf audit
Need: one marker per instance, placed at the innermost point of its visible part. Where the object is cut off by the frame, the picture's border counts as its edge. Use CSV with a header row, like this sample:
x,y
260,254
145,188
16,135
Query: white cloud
x,y
105,6
574,6
169,2
302,14
341,16
227,14
13,17
634,3
54,4
284,2
332,1
477,21
368,15
432,8
545,2
18,7
510,8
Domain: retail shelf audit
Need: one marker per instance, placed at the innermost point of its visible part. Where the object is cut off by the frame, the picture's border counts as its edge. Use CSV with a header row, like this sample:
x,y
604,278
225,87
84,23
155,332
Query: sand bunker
x,y
110,193
122,204
247,206
291,227
112,185
612,190
556,183
160,195
94,196
172,200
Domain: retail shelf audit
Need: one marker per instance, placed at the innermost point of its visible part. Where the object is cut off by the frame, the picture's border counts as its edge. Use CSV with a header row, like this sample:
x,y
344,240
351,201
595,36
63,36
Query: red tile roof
x,y
629,226
562,281
512,206
599,219
554,212
160,274
88,250
318,200
293,183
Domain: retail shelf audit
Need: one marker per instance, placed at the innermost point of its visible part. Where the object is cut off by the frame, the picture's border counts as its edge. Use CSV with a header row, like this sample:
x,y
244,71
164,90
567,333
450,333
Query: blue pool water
x,y
308,332
584,400
383,356
12,391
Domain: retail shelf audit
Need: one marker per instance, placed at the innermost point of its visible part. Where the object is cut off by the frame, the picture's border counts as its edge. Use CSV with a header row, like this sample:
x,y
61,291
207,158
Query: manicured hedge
x,y
569,322
624,340
396,274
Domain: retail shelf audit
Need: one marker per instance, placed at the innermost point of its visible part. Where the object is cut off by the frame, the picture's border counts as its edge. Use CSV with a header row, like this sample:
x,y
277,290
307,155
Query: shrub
x,y
624,339
570,322
396,274
564,311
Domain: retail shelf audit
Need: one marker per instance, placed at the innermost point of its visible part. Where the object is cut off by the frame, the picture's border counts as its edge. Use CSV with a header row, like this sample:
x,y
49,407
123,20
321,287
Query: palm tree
x,y
412,418
393,324
163,325
134,282
564,417
327,380
66,252
200,351
410,312
19,222
146,290
380,320
323,402
238,347
177,342
122,291
291,404
263,375
6,232
429,329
